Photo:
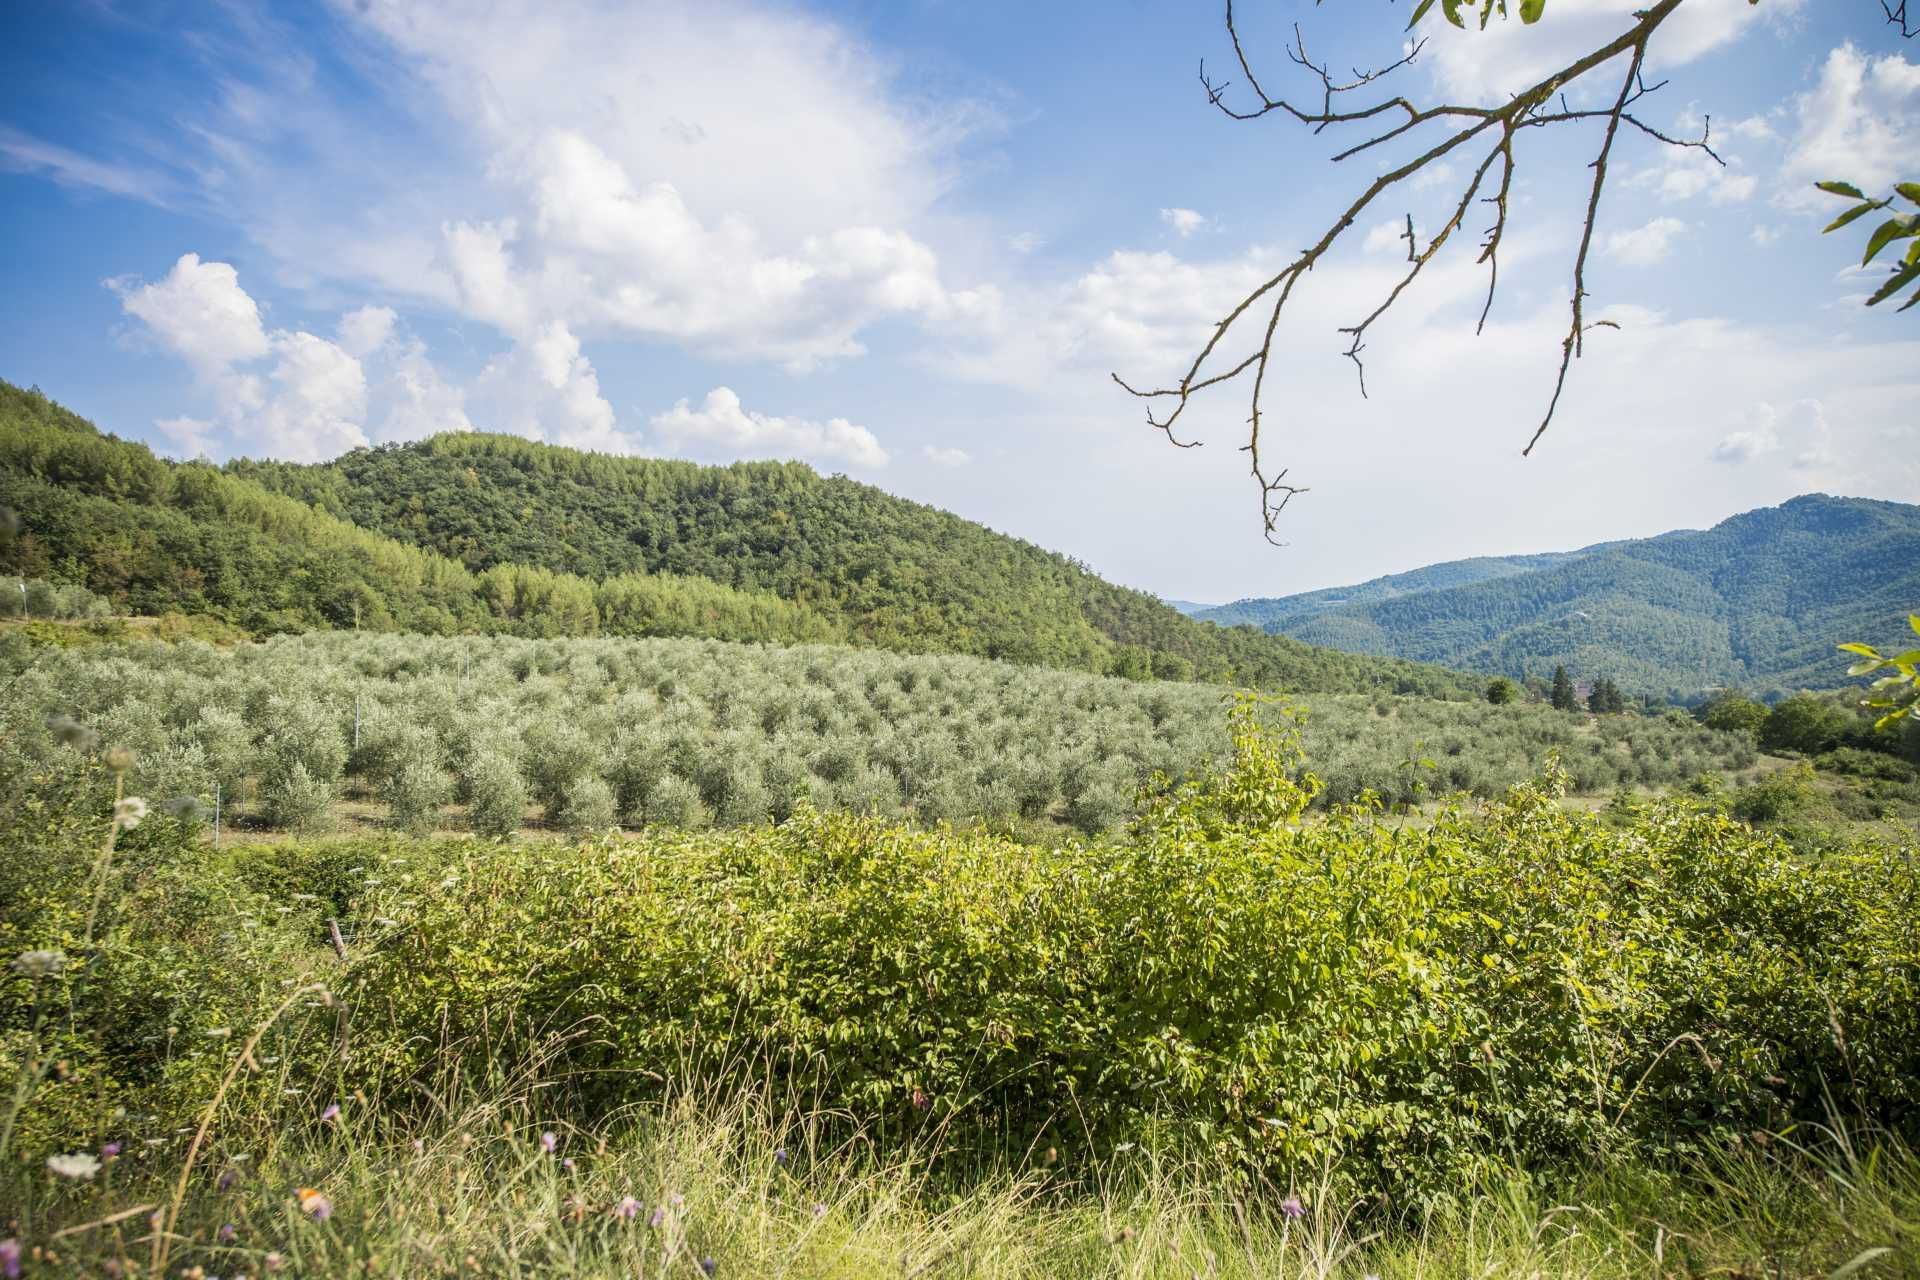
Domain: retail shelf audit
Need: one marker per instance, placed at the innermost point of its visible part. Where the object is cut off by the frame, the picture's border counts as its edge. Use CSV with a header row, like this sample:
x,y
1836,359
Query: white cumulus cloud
x,y
285,393
722,424
1647,245
1860,123
1183,221
945,457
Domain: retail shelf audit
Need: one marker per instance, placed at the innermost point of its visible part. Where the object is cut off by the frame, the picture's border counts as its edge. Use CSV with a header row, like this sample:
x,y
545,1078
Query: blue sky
x,y
909,239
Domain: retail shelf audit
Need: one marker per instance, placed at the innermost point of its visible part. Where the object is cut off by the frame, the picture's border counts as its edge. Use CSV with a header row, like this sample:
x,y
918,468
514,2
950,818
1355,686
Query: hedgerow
x,y
1520,985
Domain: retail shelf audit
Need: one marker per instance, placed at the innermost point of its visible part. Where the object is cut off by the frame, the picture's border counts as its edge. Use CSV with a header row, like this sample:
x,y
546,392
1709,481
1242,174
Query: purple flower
x,y
109,1151
780,1155
819,1211
225,1234
627,1210
548,1141
567,1164
1292,1207
659,1216
227,1179
331,1113
10,1259
709,1266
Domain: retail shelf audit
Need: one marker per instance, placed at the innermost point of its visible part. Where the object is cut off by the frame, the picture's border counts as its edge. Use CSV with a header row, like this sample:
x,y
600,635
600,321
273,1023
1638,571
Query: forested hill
x,y
894,573
1759,600
1280,614
480,533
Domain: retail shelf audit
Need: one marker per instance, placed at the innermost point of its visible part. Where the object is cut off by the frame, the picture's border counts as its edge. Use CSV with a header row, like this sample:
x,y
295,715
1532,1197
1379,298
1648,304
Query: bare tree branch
x,y
1897,15
1470,127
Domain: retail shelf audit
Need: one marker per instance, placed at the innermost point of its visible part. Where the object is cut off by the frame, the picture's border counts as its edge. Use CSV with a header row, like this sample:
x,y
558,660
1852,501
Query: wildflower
x,y
273,1262
129,813
1292,1207
108,1152
676,1199
658,1216
708,1265
627,1209
10,1258
314,1204
39,964
548,1142
225,1234
119,759
419,1147
331,1113
921,1101
780,1155
79,1166
819,1211
227,1179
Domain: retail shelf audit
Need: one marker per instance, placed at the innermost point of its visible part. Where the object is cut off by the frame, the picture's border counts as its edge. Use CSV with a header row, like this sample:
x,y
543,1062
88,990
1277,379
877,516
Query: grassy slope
x,y
1758,600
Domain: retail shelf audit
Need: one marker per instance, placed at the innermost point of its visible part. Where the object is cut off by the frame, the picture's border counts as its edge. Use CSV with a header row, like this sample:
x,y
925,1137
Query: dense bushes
x,y
1526,984
692,732
1529,985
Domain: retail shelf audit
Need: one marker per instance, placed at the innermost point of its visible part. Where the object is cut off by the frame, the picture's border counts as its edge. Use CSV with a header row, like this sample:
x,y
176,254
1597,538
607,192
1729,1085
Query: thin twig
x,y
1543,105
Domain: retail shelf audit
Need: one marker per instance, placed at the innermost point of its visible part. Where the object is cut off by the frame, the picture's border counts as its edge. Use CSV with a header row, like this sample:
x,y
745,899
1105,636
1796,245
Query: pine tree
x,y
1562,696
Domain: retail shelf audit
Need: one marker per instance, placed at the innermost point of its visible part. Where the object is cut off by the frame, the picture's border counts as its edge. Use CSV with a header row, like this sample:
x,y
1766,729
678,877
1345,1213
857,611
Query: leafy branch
x,y
1903,226
1900,690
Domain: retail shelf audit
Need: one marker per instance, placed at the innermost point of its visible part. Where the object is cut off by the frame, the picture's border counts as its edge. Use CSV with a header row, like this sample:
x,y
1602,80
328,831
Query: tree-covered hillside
x,y
893,573
496,535
1281,614
1759,600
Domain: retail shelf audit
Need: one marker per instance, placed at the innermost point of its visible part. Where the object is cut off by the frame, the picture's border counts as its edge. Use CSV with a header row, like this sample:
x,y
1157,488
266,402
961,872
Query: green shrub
x,y
1734,712
1777,797
1525,985
1806,724
496,794
296,800
588,806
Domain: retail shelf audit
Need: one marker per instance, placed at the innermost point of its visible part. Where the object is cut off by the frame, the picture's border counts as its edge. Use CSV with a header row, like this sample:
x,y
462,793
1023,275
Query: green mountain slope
x,y
893,573
495,534
1759,600
1281,614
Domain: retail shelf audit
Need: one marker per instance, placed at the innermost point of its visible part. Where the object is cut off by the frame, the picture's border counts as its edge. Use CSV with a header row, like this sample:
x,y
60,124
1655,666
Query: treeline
x,y
895,574
105,515
488,534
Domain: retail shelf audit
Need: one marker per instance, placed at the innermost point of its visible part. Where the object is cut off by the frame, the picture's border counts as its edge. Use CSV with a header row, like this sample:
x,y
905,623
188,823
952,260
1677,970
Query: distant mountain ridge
x,y
1759,600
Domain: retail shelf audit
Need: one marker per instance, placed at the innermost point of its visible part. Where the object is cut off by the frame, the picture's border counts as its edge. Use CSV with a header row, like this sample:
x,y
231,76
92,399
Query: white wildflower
x,y
79,1166
39,964
129,813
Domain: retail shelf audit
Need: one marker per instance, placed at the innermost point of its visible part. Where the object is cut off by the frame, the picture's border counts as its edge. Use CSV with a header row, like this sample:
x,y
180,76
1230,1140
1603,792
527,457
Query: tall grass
x,y
729,1182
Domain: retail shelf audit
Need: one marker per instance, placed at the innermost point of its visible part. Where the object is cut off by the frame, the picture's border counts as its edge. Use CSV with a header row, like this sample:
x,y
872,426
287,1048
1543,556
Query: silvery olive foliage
x,y
584,734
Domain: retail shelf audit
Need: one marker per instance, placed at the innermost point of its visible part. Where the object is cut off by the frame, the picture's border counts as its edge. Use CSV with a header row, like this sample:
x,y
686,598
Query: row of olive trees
x,y
587,734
